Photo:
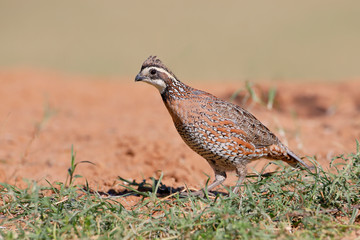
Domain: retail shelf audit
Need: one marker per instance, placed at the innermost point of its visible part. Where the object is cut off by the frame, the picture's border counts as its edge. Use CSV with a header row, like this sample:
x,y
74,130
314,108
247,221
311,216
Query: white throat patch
x,y
158,83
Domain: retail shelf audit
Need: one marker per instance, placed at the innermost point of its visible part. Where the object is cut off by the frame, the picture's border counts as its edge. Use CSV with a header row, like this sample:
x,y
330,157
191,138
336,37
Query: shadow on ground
x,y
145,188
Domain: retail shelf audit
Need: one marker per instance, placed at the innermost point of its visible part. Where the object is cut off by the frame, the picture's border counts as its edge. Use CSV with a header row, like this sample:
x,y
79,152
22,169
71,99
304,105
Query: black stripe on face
x,y
163,76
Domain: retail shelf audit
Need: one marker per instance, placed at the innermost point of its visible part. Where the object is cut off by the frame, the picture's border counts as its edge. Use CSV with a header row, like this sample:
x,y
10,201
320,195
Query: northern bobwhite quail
x,y
226,135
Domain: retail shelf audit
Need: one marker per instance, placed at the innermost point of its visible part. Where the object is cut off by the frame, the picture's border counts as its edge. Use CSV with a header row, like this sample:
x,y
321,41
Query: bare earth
x,y
125,130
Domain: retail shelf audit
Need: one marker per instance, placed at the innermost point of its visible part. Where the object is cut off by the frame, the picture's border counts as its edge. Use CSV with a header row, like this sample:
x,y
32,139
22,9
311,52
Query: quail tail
x,y
295,161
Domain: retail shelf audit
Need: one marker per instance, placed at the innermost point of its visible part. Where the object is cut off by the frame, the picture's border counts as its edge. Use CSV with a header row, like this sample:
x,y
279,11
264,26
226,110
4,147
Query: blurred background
x,y
199,40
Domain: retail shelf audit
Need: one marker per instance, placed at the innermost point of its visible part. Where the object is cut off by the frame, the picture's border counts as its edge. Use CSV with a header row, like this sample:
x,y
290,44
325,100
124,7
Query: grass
x,y
48,113
250,93
290,204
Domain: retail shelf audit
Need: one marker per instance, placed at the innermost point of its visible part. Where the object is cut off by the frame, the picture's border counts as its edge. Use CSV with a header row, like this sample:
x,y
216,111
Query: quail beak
x,y
139,78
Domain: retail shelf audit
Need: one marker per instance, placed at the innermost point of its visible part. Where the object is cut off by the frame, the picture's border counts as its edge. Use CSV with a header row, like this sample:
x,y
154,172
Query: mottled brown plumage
x,y
226,135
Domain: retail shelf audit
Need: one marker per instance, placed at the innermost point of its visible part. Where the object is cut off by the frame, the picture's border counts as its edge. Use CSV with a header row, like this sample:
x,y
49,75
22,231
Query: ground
x,y
125,130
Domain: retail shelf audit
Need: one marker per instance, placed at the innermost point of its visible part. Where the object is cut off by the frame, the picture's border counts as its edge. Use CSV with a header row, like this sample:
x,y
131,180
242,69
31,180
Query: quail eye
x,y
152,71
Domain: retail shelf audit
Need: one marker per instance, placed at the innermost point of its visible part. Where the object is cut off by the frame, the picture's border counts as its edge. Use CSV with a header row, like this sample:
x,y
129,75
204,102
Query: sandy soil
x,y
124,128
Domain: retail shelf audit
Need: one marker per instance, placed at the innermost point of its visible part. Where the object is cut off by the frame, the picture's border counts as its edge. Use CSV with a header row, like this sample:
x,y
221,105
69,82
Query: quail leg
x,y
219,178
241,172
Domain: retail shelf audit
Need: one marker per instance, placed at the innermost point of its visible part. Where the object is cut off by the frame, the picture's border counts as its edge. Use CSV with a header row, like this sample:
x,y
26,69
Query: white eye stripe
x,y
148,69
